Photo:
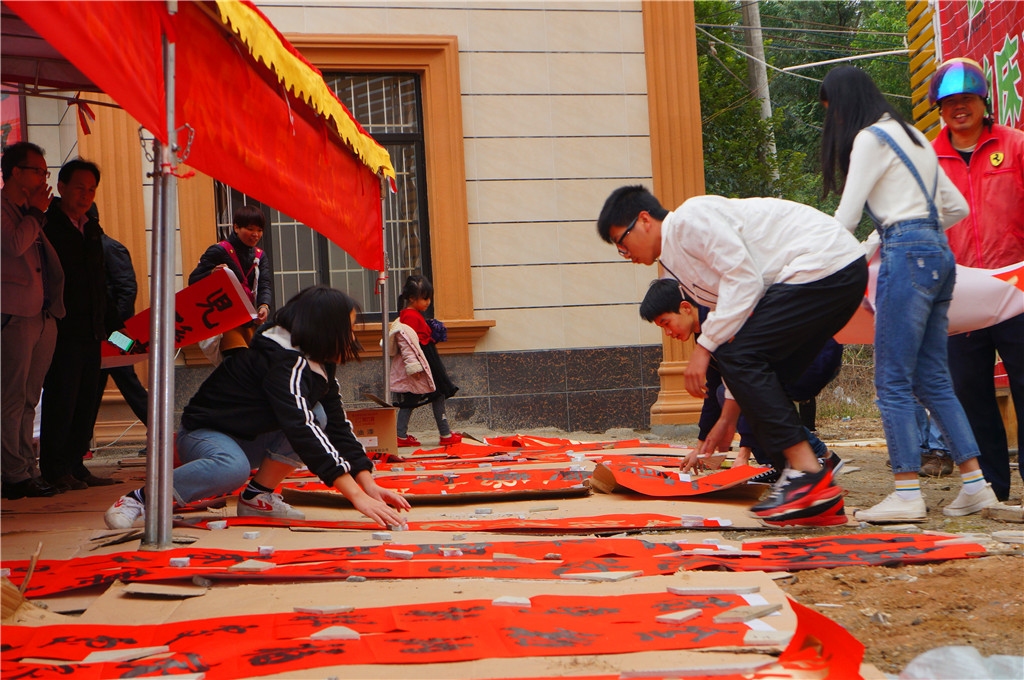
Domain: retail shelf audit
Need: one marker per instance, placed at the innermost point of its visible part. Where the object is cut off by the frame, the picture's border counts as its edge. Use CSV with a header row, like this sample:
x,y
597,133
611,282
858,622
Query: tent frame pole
x,y
382,280
159,467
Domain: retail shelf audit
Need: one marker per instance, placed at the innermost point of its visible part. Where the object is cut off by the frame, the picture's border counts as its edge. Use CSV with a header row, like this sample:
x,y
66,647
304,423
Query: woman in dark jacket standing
x,y
251,266
276,407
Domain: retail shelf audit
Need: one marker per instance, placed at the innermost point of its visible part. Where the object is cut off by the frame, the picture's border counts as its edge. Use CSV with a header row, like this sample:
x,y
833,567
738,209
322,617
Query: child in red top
x,y
416,296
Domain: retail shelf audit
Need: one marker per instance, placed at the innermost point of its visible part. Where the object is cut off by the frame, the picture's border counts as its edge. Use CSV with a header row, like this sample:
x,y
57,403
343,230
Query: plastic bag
x,y
962,663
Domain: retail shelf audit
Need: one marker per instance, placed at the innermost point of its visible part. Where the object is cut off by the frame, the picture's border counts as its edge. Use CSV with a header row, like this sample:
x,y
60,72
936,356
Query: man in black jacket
x,y
122,288
69,390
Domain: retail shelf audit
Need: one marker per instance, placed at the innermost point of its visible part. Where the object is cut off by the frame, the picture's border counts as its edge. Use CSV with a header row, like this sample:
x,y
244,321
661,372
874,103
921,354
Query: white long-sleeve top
x,y
878,178
727,251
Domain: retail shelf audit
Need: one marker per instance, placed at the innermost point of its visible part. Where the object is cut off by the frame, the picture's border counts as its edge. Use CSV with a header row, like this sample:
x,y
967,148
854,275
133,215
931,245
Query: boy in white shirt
x,y
780,278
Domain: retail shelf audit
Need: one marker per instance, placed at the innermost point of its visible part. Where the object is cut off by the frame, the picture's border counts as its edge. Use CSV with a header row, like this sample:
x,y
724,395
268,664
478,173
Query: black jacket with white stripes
x,y
272,386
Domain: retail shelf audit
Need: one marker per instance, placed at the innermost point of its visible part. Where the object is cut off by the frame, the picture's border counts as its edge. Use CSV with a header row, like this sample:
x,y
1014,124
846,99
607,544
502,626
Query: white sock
x,y
973,481
908,490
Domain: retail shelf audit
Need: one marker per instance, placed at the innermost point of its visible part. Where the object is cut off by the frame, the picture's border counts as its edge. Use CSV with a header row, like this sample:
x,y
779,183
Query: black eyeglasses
x,y
43,172
618,242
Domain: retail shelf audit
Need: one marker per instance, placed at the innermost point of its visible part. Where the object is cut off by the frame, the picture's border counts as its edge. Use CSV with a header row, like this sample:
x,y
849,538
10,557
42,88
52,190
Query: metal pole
x,y
159,471
382,280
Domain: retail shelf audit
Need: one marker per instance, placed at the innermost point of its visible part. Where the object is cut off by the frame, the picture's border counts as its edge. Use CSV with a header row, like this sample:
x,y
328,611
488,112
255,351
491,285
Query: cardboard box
x,y
377,429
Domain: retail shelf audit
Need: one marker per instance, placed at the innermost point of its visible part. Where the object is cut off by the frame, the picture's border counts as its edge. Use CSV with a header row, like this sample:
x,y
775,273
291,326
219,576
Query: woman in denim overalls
x,y
890,169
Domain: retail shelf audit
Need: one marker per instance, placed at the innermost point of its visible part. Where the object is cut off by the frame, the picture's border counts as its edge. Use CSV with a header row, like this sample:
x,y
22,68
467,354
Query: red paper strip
x,y
564,525
479,560
490,482
423,633
652,482
819,646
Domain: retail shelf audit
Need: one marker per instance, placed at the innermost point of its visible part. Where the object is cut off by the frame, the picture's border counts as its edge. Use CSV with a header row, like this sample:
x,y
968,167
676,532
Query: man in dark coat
x,y
69,391
122,289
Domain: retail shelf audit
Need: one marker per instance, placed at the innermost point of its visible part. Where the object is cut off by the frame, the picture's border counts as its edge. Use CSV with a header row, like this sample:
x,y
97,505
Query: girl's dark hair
x,y
319,320
854,103
417,287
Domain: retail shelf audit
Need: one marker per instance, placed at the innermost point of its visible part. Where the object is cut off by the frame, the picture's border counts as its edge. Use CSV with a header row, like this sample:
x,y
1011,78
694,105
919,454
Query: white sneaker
x,y
894,509
969,503
123,513
267,505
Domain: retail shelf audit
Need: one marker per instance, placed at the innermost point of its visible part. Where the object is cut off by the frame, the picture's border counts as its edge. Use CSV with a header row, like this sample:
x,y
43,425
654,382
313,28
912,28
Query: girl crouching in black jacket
x,y
276,407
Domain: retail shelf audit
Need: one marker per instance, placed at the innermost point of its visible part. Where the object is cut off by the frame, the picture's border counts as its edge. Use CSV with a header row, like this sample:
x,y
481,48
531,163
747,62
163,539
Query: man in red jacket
x,y
986,163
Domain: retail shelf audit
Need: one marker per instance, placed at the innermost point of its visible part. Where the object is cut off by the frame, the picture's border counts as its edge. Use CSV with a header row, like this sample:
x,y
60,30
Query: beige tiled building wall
x,y
554,109
52,125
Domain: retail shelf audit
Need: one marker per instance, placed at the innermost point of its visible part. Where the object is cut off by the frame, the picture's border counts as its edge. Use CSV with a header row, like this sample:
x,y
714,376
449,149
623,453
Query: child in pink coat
x,y
420,367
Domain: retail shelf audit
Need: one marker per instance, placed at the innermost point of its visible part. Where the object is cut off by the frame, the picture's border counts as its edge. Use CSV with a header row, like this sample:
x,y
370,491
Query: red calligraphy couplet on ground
x,y
660,483
407,634
530,560
490,482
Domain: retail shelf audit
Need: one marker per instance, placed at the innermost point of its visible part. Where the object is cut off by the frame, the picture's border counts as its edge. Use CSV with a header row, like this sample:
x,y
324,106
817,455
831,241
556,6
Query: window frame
x,y
436,60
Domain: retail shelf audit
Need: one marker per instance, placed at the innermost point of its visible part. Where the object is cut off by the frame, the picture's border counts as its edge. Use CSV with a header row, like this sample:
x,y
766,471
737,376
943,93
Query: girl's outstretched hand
x,y
392,498
377,510
372,500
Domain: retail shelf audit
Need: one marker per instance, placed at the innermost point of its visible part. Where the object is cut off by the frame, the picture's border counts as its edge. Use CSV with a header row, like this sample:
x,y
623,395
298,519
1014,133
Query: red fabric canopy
x,y
249,132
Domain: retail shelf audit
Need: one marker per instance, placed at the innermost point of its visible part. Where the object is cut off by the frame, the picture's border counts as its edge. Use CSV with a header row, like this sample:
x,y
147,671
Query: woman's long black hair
x,y
854,102
319,319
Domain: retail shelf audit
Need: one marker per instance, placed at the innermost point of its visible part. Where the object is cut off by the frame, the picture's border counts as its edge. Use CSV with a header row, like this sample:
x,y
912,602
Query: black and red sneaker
x,y
797,490
827,514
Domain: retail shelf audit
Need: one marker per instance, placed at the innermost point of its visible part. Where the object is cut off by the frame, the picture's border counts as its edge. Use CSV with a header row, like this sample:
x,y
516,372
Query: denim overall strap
x,y
884,137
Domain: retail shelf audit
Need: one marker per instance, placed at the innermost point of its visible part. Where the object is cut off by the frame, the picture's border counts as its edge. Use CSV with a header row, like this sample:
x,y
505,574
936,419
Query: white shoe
x,y
267,505
894,509
969,503
123,513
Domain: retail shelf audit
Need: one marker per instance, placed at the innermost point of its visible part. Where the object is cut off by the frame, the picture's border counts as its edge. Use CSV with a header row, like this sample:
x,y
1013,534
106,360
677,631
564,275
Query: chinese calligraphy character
x,y
1007,77
217,301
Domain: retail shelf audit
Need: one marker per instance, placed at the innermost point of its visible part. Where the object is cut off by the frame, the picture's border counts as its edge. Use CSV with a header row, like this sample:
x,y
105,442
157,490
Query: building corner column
x,y
677,162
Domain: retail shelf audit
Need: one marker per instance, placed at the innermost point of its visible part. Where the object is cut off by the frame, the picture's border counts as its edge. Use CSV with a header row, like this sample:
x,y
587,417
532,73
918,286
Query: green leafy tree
x,y
812,31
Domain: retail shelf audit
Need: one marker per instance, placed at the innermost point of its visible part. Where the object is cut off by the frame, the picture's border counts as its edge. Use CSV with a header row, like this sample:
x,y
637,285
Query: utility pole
x,y
758,73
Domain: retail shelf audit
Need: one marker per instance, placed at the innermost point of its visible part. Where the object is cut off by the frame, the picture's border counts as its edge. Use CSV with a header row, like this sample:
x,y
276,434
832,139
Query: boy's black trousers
x,y
776,344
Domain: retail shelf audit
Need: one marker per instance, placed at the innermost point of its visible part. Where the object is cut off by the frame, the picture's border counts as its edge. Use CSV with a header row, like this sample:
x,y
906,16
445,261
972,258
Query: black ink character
x,y
217,301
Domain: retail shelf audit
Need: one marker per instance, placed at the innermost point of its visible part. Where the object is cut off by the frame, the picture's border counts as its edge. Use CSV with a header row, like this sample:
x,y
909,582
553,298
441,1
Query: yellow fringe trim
x,y
302,81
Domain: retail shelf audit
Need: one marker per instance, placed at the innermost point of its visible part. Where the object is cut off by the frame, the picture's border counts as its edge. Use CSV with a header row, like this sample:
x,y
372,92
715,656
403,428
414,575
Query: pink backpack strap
x,y
226,245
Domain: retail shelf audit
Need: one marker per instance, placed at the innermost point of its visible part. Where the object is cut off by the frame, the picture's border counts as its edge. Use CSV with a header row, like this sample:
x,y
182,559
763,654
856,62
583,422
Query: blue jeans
x,y
216,463
931,438
915,285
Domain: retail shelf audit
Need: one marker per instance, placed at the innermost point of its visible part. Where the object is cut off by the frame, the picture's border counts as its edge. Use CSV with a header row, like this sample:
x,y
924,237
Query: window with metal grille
x,y
388,106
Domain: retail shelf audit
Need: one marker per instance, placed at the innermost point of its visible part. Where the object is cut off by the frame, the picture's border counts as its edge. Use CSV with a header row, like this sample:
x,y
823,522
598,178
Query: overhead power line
x,y
844,59
789,69
804,30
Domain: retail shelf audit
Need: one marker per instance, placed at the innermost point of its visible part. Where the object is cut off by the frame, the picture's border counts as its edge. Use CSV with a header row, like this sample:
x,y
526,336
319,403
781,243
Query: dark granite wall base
x,y
569,389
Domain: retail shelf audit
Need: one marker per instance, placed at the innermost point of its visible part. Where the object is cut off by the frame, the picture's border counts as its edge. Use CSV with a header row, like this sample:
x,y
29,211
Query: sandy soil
x,y
901,612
